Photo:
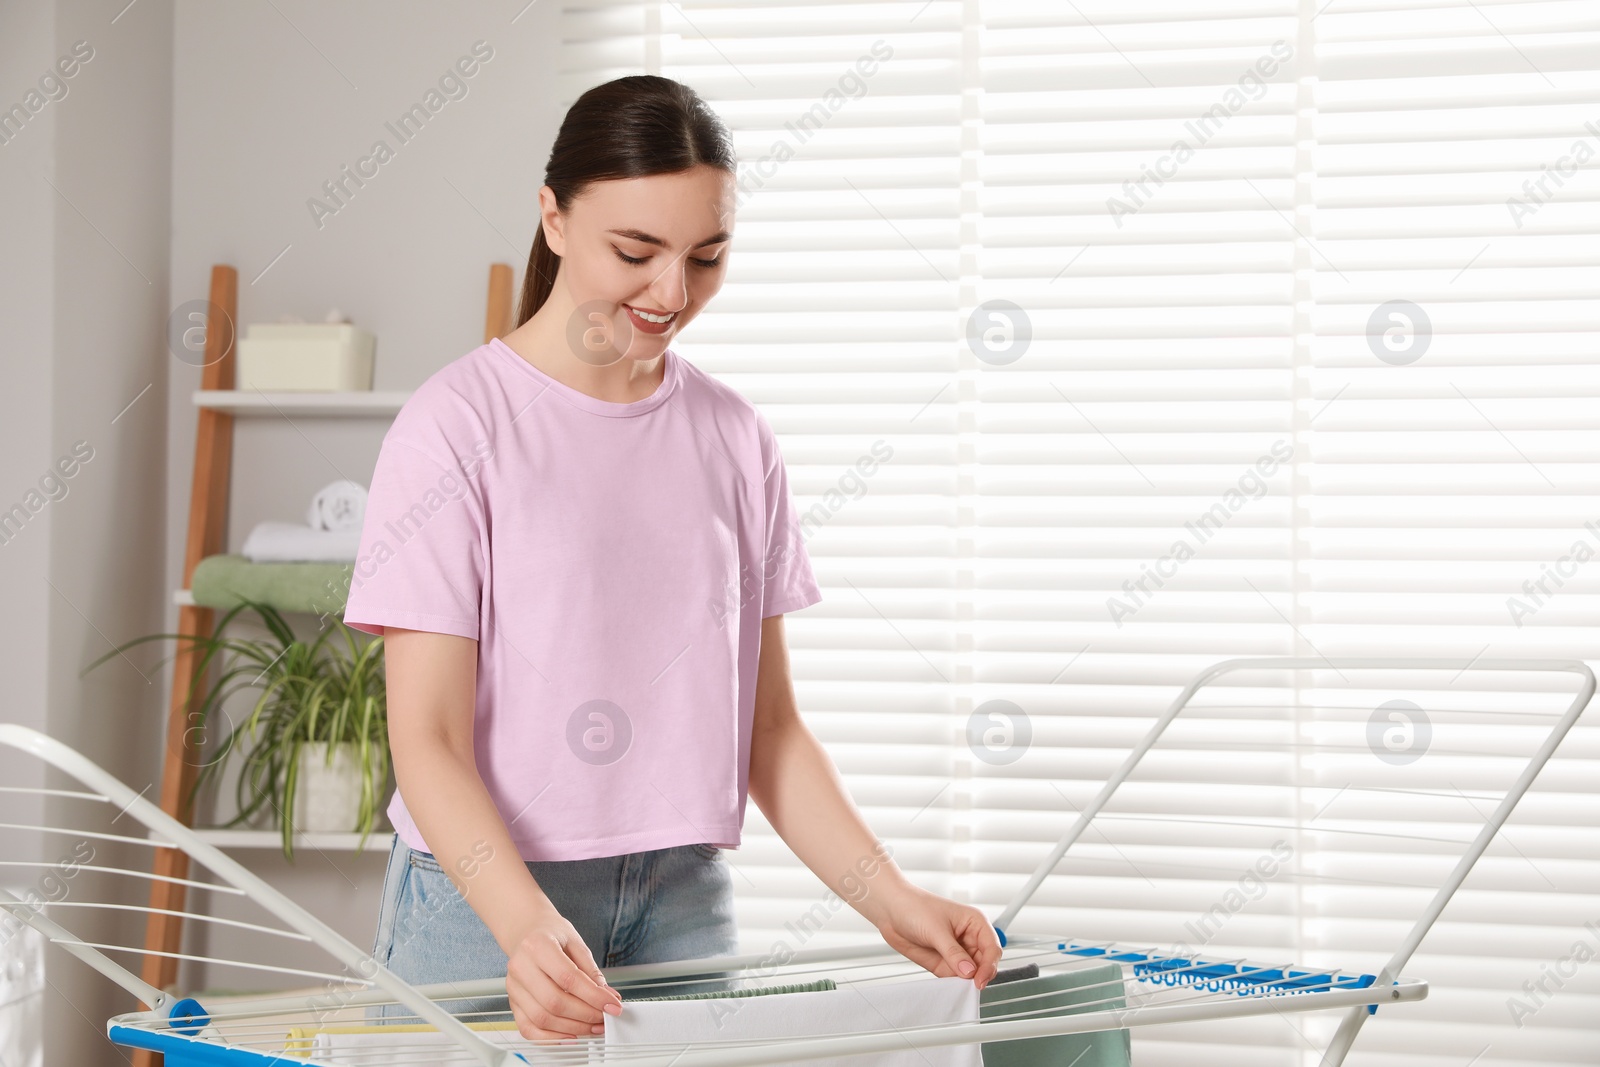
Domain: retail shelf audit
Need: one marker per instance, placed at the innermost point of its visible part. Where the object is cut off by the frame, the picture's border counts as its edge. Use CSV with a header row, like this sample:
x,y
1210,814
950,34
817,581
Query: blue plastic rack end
x,y
179,1052
188,1016
1219,977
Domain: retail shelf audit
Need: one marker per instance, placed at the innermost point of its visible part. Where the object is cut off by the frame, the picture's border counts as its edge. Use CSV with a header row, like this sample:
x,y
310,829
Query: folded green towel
x,y
313,588
1071,992
797,987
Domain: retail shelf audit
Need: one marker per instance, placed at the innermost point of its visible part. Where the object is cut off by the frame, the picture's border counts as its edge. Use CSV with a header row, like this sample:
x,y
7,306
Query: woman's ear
x,y
550,218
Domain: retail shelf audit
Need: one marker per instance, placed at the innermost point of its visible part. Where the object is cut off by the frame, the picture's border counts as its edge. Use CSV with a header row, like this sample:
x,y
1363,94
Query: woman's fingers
x,y
571,991
946,939
954,956
983,947
590,983
553,994
976,942
525,1009
551,986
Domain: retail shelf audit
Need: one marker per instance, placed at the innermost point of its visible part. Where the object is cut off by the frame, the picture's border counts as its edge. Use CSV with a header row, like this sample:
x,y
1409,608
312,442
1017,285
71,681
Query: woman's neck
x,y
545,341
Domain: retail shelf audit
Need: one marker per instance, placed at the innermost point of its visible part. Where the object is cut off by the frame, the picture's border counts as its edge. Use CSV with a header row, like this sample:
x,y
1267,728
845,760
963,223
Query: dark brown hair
x,y
630,127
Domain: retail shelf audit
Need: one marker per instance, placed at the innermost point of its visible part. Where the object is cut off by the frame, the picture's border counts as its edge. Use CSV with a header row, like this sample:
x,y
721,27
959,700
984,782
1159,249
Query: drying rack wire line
x,y
1350,1026
146,875
215,920
67,831
47,792
245,964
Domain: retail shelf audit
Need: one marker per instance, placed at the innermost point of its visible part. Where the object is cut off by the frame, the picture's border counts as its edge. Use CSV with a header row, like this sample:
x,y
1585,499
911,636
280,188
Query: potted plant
x,y
315,745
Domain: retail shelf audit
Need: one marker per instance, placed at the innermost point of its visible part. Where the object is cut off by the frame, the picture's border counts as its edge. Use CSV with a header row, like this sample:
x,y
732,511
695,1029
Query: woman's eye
x,y
640,259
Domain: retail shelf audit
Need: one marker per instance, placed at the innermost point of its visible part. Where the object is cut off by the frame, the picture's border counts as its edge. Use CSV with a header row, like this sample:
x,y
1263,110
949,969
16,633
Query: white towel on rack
x,y
286,542
339,505
852,1008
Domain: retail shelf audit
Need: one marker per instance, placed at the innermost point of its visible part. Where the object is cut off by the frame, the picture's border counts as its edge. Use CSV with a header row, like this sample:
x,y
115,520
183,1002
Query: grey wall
x,y
196,135
27,43
27,284
87,181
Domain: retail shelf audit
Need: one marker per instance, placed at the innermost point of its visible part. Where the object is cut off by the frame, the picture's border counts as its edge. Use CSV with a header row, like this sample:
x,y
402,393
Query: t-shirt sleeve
x,y
787,581
421,561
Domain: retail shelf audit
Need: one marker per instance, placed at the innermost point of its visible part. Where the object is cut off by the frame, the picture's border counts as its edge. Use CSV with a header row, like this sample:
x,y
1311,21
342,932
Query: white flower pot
x,y
327,798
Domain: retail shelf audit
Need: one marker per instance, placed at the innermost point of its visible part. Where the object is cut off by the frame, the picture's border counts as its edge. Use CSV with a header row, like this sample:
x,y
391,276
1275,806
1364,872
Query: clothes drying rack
x,y
1128,986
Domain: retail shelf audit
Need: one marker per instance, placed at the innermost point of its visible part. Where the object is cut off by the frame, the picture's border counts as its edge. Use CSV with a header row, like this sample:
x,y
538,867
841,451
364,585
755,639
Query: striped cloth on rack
x,y
710,994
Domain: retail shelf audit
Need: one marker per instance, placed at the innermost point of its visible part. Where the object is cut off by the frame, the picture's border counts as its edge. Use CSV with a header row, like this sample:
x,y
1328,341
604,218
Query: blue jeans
x,y
641,907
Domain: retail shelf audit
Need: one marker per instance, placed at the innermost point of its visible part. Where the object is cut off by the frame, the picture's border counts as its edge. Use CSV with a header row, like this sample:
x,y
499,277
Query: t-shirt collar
x,y
669,382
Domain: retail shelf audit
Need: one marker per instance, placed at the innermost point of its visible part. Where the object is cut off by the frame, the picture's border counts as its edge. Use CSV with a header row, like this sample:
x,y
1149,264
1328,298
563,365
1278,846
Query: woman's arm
x,y
799,790
432,692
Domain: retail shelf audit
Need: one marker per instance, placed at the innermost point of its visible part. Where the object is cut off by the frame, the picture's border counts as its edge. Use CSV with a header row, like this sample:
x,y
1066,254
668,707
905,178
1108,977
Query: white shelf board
x,y
249,402
377,841
184,598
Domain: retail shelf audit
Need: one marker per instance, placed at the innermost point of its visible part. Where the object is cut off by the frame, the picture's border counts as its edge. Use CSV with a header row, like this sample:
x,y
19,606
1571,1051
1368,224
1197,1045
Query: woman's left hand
x,y
945,937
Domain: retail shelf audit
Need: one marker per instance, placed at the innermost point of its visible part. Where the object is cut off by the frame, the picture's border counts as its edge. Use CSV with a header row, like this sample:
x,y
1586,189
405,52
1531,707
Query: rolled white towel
x,y
339,505
286,542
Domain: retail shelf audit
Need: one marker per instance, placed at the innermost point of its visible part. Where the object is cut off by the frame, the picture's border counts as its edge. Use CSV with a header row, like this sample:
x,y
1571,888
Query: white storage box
x,y
305,357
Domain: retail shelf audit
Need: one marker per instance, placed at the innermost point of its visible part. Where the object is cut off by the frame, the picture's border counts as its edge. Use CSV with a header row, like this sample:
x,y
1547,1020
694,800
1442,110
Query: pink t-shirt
x,y
614,563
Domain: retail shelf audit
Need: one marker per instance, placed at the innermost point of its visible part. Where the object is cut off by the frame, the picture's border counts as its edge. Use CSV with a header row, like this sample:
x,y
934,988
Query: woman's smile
x,y
650,322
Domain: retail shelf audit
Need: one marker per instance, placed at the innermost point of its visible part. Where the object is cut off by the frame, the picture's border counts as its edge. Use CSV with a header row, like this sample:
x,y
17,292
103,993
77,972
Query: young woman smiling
x,y
587,668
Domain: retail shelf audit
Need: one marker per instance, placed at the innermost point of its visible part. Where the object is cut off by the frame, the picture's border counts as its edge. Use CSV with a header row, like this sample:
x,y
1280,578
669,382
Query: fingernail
x,y
965,967
613,1007
597,1028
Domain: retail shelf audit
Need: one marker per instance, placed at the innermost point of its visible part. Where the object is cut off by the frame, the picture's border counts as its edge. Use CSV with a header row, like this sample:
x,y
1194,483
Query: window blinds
x,y
1105,341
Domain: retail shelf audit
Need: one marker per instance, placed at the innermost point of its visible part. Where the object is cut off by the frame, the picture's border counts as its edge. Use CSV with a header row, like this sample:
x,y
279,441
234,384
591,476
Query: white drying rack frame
x,y
1196,989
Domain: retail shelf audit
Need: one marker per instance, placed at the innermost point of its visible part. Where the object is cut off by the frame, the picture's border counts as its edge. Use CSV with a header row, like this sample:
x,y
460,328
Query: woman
x,y
579,549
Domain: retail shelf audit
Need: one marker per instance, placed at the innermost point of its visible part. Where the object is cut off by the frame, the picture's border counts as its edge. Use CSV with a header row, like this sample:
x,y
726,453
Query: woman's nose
x,y
670,288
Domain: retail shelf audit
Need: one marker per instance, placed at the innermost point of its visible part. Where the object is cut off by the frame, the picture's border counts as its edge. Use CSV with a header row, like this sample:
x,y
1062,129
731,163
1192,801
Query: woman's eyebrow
x,y
640,235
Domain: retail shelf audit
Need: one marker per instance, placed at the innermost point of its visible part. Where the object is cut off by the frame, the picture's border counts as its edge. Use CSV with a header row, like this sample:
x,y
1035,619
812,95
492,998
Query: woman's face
x,y
656,246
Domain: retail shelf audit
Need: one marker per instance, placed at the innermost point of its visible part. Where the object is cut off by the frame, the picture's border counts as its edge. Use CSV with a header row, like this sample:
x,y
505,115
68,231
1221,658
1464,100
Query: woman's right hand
x,y
556,989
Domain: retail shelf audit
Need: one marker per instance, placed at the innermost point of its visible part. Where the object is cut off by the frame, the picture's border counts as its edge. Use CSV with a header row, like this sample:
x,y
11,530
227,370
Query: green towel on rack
x,y
796,987
312,588
1065,993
